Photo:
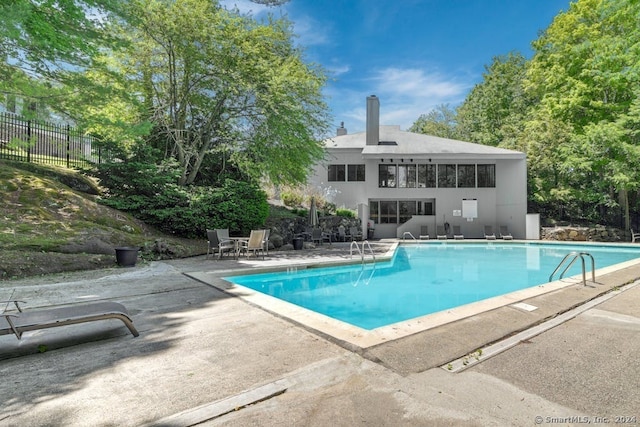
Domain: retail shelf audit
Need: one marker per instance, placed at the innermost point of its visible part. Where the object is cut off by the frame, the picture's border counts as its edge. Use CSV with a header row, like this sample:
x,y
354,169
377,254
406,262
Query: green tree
x,y
441,121
493,113
585,74
213,81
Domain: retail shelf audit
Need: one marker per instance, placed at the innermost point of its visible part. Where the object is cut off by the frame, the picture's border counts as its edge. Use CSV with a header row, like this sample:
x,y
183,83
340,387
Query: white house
x,y
402,181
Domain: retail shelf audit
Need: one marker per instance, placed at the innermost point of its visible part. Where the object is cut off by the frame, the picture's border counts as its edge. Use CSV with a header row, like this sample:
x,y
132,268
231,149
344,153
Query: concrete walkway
x,y
205,357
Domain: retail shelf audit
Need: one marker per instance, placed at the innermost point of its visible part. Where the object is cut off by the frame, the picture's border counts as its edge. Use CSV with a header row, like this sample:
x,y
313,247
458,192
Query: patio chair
x,y
342,235
457,234
424,232
326,237
18,322
255,243
488,233
441,233
504,233
355,233
634,236
220,242
316,236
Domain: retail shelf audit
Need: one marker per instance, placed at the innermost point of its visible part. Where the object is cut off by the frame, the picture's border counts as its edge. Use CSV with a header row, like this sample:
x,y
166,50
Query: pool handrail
x,y
576,255
361,252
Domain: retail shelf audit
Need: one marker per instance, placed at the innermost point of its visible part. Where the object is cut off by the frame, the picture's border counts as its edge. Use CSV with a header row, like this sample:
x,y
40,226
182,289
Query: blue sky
x,y
412,54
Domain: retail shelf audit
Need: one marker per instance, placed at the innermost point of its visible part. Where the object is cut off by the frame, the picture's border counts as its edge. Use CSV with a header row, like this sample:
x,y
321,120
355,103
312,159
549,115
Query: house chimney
x,y
373,120
341,130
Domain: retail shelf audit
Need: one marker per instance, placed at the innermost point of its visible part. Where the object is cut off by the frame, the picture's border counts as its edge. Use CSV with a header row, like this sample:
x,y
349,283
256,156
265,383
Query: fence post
x,y
68,144
28,141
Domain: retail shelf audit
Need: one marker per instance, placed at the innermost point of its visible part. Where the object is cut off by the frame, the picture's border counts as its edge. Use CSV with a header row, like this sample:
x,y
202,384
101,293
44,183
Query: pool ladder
x,y
354,244
574,256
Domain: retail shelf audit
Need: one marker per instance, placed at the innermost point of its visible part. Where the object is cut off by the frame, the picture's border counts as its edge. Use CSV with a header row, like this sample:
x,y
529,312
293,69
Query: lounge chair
x,y
634,236
255,243
219,242
424,232
457,234
18,322
488,233
441,233
342,235
504,233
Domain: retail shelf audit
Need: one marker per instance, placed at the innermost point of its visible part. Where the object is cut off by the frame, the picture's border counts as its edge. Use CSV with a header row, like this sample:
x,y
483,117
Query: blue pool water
x,y
425,278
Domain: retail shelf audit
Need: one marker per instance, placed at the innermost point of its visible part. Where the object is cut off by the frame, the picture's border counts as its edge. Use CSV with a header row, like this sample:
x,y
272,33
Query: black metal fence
x,y
42,142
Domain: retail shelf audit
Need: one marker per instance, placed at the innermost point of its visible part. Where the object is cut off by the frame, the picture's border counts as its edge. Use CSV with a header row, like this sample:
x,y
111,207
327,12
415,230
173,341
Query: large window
x,y
407,176
336,173
430,175
399,211
387,176
426,176
466,176
486,176
355,172
447,176
388,212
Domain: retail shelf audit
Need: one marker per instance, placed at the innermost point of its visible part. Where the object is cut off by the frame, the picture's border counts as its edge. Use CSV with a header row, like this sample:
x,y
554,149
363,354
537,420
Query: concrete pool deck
x,y
206,356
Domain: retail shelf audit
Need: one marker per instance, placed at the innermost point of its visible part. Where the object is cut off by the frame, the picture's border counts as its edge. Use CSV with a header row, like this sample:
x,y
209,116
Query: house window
x,y
426,176
387,176
486,176
447,176
466,176
336,173
388,212
355,172
407,176
407,209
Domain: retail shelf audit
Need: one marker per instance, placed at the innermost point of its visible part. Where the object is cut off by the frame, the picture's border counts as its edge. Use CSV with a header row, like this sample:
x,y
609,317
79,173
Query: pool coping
x,y
358,339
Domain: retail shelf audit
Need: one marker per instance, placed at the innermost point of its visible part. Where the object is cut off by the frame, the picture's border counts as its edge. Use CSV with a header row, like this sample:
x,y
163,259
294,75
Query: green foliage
x,y
440,121
345,213
292,198
148,190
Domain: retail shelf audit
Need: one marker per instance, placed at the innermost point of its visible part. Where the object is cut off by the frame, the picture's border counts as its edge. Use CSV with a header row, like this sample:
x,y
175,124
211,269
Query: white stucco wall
x,y
506,204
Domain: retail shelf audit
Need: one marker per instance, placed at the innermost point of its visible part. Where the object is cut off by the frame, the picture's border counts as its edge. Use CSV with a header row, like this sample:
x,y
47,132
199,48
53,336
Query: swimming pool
x,y
425,278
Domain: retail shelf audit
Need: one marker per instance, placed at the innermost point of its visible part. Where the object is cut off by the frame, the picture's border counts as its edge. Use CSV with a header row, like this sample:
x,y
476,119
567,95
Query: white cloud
x,y
245,6
405,94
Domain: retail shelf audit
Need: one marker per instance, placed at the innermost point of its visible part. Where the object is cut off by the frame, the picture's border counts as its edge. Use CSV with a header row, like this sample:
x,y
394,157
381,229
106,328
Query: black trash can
x,y
126,256
297,243
370,233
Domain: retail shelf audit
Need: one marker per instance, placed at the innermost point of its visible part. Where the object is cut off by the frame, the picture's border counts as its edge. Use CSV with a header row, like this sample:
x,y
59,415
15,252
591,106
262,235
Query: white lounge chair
x,y
504,233
634,236
424,232
457,234
488,233
441,233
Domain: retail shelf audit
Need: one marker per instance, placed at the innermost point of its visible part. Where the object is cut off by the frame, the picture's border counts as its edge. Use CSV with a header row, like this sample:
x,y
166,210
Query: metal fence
x,y
42,142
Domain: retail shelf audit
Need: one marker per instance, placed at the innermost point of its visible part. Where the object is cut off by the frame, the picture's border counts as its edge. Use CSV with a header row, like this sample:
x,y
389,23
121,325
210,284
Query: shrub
x,y
291,198
149,192
345,213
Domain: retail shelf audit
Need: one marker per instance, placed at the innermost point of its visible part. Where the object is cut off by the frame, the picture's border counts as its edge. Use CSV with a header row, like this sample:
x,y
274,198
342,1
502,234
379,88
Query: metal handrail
x,y
361,252
373,255
576,255
355,244
410,235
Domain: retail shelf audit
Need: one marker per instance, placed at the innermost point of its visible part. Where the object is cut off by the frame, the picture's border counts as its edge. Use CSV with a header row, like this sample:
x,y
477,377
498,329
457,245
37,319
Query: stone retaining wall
x,y
283,231
584,234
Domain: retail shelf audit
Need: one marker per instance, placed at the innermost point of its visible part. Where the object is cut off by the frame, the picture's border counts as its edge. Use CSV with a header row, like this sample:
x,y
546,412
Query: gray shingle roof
x,y
417,146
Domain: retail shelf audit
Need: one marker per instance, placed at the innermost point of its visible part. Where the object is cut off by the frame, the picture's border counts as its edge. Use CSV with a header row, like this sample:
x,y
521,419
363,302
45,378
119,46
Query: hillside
x,y
50,222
